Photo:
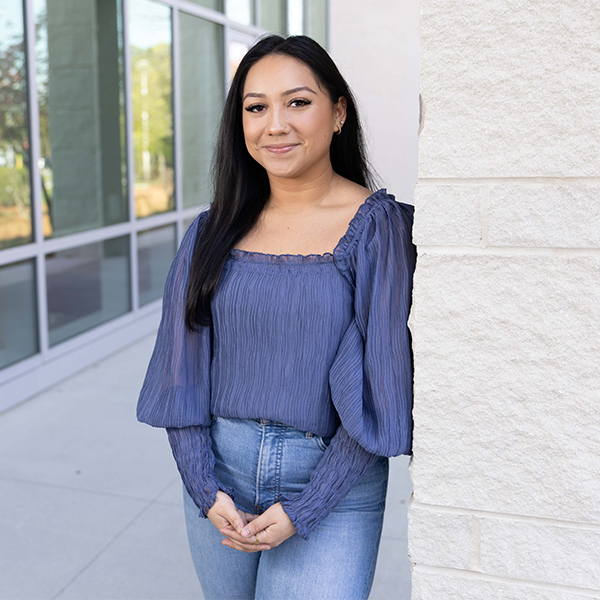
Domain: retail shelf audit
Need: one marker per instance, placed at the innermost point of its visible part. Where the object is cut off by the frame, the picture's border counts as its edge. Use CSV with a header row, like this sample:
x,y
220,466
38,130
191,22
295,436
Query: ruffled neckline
x,y
339,251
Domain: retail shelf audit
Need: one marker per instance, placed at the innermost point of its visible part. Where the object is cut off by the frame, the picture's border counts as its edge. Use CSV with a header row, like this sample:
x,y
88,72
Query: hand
x,y
272,528
224,513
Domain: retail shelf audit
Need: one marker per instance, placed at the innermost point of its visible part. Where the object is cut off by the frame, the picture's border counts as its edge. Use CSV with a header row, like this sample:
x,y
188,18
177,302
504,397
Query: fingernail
x,y
245,532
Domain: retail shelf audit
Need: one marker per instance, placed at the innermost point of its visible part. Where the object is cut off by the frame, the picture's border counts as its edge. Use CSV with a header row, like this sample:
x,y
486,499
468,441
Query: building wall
x,y
507,303
376,46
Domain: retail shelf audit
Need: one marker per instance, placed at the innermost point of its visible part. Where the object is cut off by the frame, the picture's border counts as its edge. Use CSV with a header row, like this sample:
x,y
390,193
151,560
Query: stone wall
x,y
506,313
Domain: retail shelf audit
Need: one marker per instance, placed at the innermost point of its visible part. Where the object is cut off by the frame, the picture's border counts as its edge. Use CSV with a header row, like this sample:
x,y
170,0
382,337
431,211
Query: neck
x,y
294,195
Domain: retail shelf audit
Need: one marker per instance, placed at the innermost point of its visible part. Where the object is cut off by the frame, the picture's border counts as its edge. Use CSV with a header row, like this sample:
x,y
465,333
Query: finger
x,y
250,517
232,534
237,522
261,522
262,537
233,519
265,536
227,530
244,547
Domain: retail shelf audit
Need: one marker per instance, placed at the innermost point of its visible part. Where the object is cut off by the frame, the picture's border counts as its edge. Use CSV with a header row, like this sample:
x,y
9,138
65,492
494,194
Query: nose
x,y
277,124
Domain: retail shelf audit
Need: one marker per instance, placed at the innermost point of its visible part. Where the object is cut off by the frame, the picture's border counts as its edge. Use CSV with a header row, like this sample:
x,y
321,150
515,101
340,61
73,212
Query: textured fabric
x,y
318,342
192,450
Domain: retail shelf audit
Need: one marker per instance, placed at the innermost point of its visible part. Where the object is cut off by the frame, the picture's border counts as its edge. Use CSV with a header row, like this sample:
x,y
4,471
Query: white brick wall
x,y
506,312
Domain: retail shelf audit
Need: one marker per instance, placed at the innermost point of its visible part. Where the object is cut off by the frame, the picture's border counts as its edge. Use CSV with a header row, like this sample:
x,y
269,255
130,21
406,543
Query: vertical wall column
x,y
506,314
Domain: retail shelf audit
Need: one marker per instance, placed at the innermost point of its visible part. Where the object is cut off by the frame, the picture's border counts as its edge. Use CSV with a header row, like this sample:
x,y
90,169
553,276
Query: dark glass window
x,y
87,286
156,250
202,98
18,317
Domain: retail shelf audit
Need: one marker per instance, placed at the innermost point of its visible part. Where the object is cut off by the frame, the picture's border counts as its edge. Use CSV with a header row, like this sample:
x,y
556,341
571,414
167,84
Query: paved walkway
x,y
91,499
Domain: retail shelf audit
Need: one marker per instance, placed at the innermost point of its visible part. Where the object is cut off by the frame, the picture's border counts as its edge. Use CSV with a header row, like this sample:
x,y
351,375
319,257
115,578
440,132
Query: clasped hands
x,y
239,528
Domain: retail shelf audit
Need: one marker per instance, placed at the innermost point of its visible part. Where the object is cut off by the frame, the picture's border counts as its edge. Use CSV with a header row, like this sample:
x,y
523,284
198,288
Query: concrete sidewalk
x,y
91,499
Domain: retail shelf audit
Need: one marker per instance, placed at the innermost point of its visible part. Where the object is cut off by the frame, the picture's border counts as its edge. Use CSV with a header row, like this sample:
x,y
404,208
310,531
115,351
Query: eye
x,y
299,102
255,108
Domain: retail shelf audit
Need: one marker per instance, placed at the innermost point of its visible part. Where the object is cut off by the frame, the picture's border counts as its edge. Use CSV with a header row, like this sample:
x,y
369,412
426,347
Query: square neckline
x,y
255,256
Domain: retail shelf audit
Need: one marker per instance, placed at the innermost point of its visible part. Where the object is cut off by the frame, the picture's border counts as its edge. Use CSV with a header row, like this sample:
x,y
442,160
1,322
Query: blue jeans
x,y
260,459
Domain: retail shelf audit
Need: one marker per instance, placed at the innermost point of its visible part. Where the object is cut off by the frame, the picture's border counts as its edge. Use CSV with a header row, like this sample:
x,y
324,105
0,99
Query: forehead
x,y
277,73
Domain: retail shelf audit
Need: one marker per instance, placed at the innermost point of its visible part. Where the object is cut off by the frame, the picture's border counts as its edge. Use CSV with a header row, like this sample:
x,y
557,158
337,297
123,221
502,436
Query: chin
x,y
281,171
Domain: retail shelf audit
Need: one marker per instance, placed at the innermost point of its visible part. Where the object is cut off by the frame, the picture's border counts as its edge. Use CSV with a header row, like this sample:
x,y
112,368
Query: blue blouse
x,y
319,342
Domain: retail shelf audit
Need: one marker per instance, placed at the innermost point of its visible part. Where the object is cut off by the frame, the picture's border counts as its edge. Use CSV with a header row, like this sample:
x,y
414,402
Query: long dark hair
x,y
241,185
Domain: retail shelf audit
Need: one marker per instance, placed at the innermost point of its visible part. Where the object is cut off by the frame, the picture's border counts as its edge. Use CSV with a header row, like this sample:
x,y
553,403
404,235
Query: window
x,y
18,322
152,98
202,97
82,162
86,286
15,190
105,156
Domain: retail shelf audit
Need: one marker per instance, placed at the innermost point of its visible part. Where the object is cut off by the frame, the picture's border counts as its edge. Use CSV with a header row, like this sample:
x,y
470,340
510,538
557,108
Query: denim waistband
x,y
262,421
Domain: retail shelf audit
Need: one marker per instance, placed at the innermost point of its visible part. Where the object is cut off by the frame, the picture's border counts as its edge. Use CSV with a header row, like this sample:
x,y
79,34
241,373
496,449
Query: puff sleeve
x,y
371,376
176,389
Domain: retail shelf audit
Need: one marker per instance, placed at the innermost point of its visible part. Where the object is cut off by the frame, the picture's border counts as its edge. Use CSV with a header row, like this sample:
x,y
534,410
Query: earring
x,y
339,127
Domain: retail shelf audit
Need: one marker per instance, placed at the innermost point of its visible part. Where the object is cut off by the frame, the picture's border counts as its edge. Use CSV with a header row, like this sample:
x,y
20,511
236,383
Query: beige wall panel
x,y
510,88
434,586
541,552
441,539
448,215
556,216
506,384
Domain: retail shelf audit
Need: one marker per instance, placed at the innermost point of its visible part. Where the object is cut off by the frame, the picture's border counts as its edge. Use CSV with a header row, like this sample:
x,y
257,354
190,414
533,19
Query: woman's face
x,y
288,119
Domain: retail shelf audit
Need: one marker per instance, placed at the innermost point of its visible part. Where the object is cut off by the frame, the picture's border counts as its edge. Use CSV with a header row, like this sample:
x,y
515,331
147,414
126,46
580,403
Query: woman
x,y
282,368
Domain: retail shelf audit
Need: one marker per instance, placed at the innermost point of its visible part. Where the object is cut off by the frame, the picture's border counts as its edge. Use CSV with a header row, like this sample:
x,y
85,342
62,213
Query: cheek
x,y
250,130
316,128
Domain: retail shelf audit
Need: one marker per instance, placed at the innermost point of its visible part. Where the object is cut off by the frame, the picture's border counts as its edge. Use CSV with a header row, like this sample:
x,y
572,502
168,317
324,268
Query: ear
x,y
339,109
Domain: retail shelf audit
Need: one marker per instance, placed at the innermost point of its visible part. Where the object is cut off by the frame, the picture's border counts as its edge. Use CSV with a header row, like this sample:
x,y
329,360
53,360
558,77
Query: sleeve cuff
x,y
341,467
192,450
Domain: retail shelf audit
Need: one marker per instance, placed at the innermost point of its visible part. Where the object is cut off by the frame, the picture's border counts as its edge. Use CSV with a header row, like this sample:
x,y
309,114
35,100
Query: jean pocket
x,y
322,442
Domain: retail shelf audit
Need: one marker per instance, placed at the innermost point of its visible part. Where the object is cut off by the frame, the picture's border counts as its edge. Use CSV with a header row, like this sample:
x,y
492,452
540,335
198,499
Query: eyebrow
x,y
286,93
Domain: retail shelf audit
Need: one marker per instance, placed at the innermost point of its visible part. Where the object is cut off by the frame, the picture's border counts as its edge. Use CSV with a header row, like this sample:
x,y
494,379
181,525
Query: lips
x,y
280,148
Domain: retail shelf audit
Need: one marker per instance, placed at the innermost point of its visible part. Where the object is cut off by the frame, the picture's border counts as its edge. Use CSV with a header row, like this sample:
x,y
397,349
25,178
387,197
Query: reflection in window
x,y
240,11
79,70
87,286
295,17
18,320
156,250
273,16
202,98
236,53
318,21
152,91
15,193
